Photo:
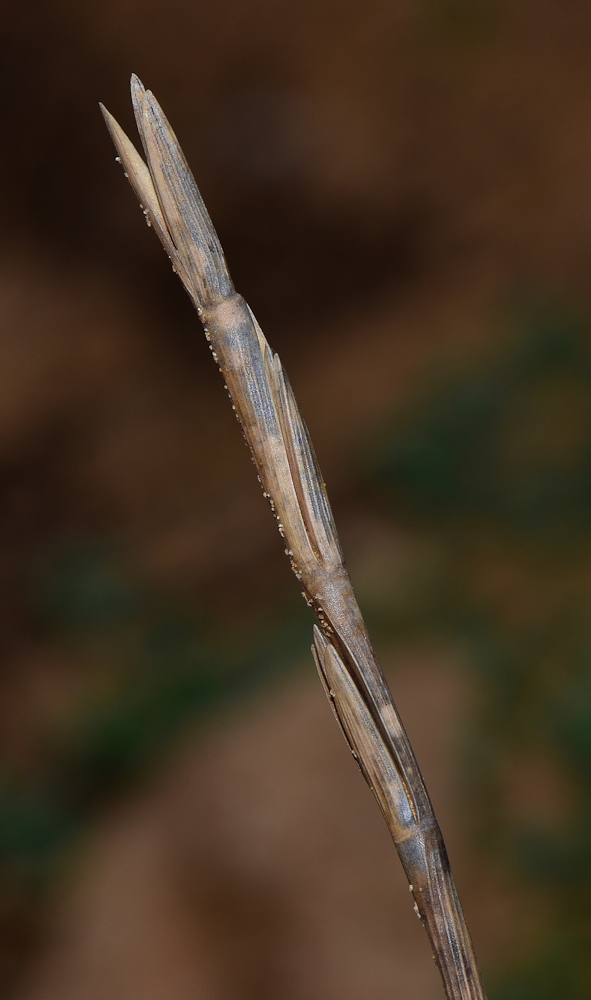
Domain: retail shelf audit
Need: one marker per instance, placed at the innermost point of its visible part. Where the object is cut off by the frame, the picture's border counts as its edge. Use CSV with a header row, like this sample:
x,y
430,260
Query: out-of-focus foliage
x,y
493,471
490,473
151,672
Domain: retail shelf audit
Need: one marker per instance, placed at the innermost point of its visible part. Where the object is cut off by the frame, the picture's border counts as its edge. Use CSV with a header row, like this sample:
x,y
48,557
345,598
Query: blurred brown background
x,y
403,191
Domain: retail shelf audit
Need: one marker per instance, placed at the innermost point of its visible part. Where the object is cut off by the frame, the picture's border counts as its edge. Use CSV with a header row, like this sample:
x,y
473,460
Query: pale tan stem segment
x,y
291,479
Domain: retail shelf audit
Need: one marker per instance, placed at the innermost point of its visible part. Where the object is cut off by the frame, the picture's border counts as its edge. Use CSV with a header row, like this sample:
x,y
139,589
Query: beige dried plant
x,y
288,471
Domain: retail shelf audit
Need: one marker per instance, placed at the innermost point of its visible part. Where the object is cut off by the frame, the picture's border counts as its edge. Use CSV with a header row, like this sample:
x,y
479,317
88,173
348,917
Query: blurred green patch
x,y
466,21
488,476
492,469
147,673
554,974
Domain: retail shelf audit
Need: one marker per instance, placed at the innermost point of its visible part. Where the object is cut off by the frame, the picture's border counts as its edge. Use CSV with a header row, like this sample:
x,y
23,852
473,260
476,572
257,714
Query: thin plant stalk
x,y
288,471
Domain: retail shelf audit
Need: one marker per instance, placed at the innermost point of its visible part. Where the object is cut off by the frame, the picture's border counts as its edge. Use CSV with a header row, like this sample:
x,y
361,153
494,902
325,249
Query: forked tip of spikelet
x,y
139,177
166,187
